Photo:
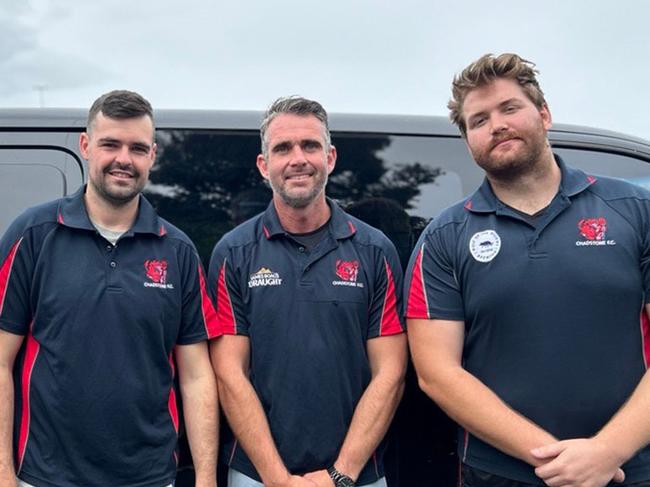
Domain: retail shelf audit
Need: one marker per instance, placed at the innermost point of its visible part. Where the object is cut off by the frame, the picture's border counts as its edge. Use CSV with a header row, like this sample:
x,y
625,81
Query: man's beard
x,y
301,200
511,166
120,196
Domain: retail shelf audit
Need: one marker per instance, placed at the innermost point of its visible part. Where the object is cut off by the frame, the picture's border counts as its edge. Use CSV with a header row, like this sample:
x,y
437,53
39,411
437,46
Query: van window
x,y
31,176
636,171
206,182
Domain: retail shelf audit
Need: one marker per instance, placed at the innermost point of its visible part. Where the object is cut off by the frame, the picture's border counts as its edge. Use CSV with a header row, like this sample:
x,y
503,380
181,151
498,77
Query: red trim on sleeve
x,y
225,314
171,402
5,273
390,324
209,314
417,305
32,348
645,336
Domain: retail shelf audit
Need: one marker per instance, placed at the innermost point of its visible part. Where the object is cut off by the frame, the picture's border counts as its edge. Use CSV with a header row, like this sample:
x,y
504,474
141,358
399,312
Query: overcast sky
x,y
378,56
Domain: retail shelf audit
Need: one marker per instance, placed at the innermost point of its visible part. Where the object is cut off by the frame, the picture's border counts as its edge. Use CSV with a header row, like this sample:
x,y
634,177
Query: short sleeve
x,y
431,286
385,315
199,319
16,275
224,285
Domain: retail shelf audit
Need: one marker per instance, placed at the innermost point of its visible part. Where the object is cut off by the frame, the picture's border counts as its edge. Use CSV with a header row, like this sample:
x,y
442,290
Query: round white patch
x,y
484,246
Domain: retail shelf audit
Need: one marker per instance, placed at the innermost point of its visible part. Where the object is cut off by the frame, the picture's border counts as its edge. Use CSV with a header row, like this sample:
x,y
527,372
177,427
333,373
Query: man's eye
x,y
108,145
311,146
510,109
477,122
140,150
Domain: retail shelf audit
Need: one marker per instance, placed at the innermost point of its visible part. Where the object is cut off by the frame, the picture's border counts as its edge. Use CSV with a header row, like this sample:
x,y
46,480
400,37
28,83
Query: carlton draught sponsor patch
x,y
484,246
264,277
156,272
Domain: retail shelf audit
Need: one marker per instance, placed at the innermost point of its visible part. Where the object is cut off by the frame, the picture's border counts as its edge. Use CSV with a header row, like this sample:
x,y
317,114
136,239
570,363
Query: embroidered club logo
x,y
484,246
156,272
593,231
264,277
347,271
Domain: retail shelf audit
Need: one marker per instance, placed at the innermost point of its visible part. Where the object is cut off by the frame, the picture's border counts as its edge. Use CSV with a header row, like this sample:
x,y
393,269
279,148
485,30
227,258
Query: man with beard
x,y
540,360
311,364
102,302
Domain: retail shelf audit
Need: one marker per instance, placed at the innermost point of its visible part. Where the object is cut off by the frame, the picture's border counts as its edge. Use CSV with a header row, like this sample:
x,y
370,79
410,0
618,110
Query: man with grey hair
x,y
102,306
311,364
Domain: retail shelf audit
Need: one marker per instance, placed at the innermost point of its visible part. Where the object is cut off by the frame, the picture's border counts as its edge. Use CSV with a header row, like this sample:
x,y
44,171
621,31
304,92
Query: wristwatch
x,y
339,479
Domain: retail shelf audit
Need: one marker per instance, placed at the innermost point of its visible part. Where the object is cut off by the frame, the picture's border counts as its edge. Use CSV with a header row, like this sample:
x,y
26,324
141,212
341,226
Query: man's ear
x,y
331,159
261,166
84,143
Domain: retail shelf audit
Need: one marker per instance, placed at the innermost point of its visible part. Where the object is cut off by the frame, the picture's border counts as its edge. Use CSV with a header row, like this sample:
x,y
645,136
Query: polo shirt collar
x,y
573,181
72,213
340,225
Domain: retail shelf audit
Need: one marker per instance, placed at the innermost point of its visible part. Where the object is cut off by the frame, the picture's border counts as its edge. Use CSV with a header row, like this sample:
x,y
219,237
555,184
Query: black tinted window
x,y
206,182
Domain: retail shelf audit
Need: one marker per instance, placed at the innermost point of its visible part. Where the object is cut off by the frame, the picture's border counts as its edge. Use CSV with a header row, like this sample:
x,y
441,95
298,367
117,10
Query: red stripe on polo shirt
x,y
171,402
209,314
5,273
390,324
31,352
645,336
417,306
225,315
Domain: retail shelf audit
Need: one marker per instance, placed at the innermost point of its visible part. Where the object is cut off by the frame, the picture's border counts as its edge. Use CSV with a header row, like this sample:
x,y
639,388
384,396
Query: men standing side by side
x,y
102,304
310,367
527,304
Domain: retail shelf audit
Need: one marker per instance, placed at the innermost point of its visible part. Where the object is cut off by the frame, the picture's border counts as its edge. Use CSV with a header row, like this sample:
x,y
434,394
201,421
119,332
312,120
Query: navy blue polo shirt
x,y
94,397
308,315
553,310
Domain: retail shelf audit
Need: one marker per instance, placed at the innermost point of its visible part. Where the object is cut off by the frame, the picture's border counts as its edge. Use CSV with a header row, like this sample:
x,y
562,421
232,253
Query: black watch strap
x,y
339,479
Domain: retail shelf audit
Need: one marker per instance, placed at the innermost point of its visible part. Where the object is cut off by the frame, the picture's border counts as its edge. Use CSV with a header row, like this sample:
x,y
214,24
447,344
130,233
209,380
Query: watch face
x,y
345,482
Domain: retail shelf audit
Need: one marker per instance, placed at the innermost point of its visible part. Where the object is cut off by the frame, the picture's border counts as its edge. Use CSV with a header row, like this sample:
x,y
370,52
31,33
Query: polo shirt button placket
x,y
113,264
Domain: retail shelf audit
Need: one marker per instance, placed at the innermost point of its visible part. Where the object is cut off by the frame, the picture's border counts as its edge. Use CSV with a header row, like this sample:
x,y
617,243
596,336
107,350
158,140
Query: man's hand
x,y
578,463
296,481
320,478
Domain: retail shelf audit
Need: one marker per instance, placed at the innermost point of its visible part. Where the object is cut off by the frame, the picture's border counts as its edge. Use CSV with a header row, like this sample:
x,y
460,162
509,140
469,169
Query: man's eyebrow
x,y
282,145
141,145
111,140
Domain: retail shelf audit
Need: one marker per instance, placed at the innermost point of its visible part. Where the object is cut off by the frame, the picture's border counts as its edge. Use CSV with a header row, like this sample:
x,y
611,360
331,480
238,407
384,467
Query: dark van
x,y
395,172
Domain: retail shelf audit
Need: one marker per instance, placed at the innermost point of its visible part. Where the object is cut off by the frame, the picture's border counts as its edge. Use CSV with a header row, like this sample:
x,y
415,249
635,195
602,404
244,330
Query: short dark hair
x,y
119,105
295,105
487,69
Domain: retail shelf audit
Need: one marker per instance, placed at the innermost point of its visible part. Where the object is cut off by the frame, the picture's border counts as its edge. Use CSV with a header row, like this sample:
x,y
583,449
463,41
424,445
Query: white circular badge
x,y
484,246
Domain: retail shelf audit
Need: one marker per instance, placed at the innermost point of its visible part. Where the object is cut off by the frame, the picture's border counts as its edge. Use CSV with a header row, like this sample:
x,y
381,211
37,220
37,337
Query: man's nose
x,y
124,155
498,123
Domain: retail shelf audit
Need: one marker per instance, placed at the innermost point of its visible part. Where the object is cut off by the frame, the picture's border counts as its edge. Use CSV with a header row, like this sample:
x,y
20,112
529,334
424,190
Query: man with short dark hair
x,y
102,305
311,364
527,303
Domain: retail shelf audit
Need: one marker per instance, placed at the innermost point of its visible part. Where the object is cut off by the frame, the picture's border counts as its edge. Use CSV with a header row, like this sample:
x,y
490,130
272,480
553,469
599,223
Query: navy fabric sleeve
x,y
199,320
224,285
16,273
385,313
432,289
